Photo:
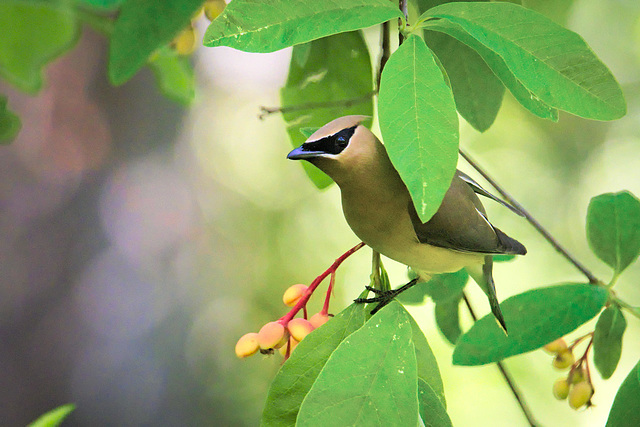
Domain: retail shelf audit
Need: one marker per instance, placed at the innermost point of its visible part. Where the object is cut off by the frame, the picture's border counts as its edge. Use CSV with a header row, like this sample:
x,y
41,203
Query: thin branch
x,y
386,50
592,279
506,374
346,103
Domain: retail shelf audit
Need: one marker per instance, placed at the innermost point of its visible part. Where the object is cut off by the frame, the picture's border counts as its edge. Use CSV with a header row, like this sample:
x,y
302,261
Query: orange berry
x,y
561,389
580,394
563,360
247,345
185,42
213,8
293,294
555,347
299,328
272,335
319,319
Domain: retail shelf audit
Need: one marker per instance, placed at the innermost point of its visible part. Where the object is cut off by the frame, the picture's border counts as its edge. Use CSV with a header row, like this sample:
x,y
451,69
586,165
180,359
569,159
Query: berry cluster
x,y
185,42
576,386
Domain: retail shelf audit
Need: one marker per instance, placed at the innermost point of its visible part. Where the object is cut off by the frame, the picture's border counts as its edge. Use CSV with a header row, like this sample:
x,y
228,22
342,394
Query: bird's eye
x,y
341,141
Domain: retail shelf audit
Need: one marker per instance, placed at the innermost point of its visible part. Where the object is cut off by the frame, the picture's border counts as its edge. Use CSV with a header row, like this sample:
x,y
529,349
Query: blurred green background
x,y
140,240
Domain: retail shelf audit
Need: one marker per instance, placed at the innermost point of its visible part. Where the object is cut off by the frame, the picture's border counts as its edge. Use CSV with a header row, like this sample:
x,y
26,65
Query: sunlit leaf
x,y
316,77
428,369
270,25
535,318
54,417
371,378
625,410
33,34
432,412
9,122
174,76
419,124
553,63
104,4
503,258
300,371
607,340
613,228
447,315
142,27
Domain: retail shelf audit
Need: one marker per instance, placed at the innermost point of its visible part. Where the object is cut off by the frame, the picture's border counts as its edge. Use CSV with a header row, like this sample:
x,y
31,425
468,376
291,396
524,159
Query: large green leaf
x,y
270,25
9,122
553,63
428,369
447,314
432,412
103,4
535,318
371,378
316,76
142,27
419,124
300,371
613,228
174,76
440,287
33,34
476,89
625,410
54,417
607,340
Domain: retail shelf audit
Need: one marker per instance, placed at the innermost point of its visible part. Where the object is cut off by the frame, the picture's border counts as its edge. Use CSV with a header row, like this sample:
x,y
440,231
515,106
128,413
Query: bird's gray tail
x,y
484,279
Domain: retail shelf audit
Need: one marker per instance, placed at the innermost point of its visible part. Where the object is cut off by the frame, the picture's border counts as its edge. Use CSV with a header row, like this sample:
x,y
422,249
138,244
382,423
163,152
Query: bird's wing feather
x,y
479,190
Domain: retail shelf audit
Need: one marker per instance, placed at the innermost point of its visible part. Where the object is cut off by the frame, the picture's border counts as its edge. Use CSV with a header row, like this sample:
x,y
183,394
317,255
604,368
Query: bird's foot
x,y
384,297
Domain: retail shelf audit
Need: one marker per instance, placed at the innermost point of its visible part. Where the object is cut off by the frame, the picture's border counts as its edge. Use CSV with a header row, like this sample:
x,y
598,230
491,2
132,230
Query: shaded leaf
x,y
33,34
625,410
607,340
440,287
104,4
300,371
553,63
613,228
428,369
535,318
432,412
371,378
10,123
142,27
174,76
419,124
54,417
270,25
315,76
447,315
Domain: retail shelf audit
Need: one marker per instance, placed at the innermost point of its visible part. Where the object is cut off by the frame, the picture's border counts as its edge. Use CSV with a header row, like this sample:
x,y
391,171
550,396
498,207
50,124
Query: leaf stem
x,y
386,51
346,103
556,245
506,374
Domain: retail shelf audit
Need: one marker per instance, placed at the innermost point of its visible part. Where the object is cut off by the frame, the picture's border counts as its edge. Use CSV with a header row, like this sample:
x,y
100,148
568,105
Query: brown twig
x,y
346,103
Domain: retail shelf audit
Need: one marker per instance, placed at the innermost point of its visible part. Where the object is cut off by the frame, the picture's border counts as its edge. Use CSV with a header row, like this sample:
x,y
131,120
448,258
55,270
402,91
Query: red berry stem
x,y
325,307
579,340
316,282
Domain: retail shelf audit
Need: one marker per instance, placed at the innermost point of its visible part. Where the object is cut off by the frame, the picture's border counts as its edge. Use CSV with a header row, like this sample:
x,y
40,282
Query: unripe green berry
x,y
580,394
213,8
578,375
293,294
555,347
247,345
561,389
272,335
299,328
563,359
319,319
185,42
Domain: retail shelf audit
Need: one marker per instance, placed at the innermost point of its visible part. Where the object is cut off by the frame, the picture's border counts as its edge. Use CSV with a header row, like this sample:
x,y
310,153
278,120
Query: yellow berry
x,y
185,42
247,345
293,294
561,389
580,394
272,335
197,15
579,375
563,359
292,344
213,8
319,319
555,347
299,328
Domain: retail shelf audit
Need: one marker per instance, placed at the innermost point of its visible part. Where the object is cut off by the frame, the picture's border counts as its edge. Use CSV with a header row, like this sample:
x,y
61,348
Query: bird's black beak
x,y
300,153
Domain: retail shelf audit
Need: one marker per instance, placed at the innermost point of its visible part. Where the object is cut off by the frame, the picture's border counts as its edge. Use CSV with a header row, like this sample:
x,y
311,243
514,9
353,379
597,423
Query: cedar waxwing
x,y
379,210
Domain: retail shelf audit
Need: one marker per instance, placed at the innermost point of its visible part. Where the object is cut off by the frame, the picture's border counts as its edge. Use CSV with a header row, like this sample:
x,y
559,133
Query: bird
x,y
378,207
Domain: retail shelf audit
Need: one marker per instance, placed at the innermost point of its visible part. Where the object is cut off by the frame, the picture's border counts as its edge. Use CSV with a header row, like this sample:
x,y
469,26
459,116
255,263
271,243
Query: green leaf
x,y
447,315
102,4
33,34
535,318
300,371
553,63
432,411
607,340
613,228
476,89
270,25
625,410
315,76
142,27
440,287
428,369
419,124
54,417
307,132
503,258
371,378
10,123
174,76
